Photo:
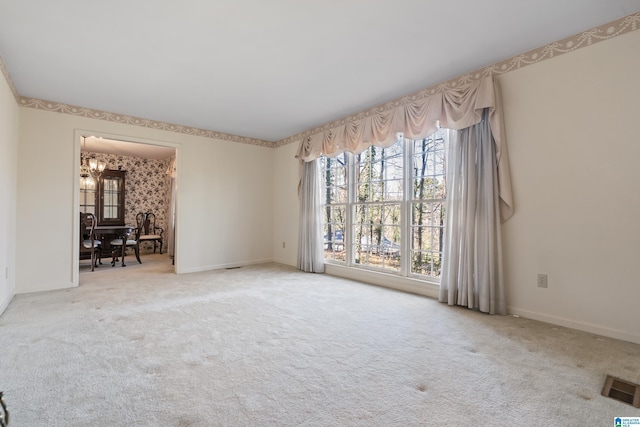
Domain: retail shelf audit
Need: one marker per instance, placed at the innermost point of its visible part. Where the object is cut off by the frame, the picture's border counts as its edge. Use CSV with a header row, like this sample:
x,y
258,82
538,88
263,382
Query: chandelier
x,y
90,168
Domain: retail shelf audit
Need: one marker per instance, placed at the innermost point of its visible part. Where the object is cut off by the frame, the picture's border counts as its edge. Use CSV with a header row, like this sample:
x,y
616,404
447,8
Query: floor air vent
x,y
622,390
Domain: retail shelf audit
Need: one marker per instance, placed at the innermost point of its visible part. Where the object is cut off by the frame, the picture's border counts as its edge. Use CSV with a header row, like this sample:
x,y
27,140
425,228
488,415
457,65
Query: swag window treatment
x,y
417,116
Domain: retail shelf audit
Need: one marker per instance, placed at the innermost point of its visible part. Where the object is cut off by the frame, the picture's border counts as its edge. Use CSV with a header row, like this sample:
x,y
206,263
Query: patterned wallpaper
x,y
147,186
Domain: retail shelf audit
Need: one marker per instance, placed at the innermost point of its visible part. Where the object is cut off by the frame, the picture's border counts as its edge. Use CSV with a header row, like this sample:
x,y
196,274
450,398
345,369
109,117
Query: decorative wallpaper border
x,y
74,110
603,32
7,77
569,44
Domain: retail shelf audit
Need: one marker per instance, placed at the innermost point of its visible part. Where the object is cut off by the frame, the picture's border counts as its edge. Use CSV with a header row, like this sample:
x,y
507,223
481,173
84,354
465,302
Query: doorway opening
x,y
146,188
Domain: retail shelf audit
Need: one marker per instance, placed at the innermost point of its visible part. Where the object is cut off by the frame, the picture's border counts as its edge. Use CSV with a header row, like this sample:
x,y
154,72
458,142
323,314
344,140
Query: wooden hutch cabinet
x,y
106,201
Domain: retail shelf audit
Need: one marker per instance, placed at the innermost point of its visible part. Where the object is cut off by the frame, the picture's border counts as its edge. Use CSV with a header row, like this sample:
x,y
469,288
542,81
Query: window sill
x,y
405,284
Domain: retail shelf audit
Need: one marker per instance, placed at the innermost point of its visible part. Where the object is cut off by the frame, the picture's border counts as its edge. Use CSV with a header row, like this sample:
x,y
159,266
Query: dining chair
x,y
4,415
88,243
150,231
130,238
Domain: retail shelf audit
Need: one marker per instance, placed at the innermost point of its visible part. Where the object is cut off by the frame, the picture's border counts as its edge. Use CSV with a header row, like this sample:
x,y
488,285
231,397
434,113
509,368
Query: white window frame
x,y
405,223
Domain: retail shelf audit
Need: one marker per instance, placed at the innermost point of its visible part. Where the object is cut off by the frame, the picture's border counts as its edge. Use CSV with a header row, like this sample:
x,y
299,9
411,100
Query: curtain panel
x,y
417,116
472,256
310,240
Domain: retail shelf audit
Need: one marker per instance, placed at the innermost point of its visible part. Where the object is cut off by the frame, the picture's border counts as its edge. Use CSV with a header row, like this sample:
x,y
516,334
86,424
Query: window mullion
x,y
406,207
351,191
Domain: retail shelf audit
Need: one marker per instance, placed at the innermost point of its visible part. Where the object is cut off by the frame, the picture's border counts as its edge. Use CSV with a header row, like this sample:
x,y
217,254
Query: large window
x,y
384,207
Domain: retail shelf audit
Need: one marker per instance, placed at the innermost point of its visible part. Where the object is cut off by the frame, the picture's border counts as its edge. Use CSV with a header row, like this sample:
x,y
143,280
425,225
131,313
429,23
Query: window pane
x,y
334,214
334,209
380,174
367,226
428,264
339,194
334,226
427,237
429,167
377,235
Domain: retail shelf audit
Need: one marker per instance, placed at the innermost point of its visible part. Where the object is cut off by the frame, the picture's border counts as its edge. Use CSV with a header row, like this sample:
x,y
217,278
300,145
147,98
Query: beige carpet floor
x,y
270,346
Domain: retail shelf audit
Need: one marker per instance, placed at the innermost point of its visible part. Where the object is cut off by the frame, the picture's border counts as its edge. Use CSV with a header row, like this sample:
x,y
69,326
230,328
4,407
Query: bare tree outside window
x,y
335,191
429,193
394,219
377,222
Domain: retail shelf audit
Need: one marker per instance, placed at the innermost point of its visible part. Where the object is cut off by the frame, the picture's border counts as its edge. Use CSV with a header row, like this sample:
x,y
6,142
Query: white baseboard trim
x,y
7,301
574,324
227,265
431,290
284,262
49,287
405,284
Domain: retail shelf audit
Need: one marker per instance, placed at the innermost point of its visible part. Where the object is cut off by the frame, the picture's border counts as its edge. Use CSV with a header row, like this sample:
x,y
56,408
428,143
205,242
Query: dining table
x,y
118,231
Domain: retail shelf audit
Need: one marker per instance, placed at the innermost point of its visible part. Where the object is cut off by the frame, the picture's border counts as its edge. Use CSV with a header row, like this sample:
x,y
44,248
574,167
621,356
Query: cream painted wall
x,y
9,124
225,207
574,146
285,204
225,210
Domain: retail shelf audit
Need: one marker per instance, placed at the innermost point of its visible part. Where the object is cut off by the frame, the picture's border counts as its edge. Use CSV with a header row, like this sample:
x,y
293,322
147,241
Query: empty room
x,y
319,213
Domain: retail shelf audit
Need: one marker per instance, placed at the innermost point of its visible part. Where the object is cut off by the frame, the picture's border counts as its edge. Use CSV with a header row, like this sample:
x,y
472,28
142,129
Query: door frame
x,y
79,134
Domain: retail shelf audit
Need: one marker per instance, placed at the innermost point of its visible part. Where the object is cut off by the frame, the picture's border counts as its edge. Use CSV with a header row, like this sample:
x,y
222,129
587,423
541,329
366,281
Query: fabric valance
x,y
416,117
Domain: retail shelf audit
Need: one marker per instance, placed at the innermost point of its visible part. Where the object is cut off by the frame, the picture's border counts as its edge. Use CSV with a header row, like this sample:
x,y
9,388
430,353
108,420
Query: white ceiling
x,y
268,69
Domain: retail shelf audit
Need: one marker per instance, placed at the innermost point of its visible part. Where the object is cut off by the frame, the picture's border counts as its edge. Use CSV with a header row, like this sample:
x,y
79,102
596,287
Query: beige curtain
x,y
310,241
417,116
472,259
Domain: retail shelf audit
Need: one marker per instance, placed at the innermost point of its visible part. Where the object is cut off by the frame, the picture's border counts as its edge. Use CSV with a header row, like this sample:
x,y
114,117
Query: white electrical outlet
x,y
543,281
